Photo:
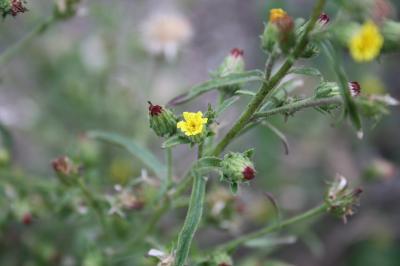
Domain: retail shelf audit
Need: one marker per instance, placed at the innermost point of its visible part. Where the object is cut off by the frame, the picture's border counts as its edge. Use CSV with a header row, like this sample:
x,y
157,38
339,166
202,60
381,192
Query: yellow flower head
x,y
193,124
367,43
276,14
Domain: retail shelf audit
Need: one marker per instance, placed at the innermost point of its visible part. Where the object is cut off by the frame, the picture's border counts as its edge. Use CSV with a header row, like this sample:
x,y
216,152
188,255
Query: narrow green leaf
x,y
226,104
229,80
134,148
270,241
174,141
307,71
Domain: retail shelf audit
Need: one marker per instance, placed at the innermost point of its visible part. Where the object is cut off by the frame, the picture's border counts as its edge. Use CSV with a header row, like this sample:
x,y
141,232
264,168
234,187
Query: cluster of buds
x,y
237,168
65,169
66,8
162,120
12,7
340,199
279,30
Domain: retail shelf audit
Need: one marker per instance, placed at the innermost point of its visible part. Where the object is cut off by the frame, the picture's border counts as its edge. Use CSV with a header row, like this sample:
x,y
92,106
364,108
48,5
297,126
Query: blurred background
x,y
98,69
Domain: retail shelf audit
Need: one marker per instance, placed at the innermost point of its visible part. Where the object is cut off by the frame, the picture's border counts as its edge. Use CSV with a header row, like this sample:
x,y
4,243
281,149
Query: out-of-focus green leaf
x,y
350,106
229,80
307,71
270,241
140,152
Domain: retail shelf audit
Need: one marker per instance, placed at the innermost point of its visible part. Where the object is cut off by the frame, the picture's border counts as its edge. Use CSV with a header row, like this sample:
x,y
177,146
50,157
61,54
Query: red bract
x,y
155,109
249,173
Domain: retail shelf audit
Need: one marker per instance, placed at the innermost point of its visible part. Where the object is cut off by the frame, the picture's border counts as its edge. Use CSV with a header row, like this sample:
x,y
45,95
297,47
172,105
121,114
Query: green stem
x,y
168,155
296,106
192,220
269,85
93,202
17,47
230,246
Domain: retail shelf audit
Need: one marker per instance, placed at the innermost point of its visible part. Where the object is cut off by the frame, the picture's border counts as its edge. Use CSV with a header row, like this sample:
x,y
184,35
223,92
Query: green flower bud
x,y
66,170
237,168
233,63
269,37
341,199
221,259
162,120
12,7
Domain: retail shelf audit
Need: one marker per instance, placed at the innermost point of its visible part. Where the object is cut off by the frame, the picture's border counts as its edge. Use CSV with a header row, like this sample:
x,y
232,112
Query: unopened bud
x,y
323,20
237,168
12,7
355,88
280,29
162,120
65,169
233,63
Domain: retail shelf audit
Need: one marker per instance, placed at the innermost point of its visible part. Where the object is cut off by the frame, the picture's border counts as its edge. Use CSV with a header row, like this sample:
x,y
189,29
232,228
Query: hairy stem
x,y
296,106
230,246
93,202
269,85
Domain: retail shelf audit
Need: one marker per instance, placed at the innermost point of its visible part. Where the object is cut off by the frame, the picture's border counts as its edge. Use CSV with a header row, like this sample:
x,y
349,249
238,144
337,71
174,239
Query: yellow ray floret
x,y
367,43
193,124
276,14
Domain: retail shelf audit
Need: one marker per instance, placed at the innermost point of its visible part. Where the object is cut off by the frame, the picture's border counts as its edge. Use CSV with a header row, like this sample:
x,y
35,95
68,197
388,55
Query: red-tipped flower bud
x,y
237,168
162,120
323,19
355,88
233,63
65,169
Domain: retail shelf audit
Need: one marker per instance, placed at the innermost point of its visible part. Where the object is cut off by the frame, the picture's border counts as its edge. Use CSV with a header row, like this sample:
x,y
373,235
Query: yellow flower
x,y
367,43
276,14
193,124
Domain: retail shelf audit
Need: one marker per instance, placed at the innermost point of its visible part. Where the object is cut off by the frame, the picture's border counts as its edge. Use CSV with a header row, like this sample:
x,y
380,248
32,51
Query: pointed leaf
x,y
134,148
229,80
307,71
226,104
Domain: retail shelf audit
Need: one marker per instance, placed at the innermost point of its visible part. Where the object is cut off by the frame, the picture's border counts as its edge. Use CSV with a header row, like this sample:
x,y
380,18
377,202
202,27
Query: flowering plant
x,y
284,42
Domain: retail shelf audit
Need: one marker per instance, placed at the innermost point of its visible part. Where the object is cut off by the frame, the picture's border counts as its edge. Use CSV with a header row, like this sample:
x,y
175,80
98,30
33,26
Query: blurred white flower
x,y
164,34
386,99
93,54
22,113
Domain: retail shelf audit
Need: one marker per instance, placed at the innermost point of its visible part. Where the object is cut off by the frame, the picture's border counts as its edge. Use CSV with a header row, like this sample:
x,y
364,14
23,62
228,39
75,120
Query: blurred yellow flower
x,y
193,124
276,14
366,44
